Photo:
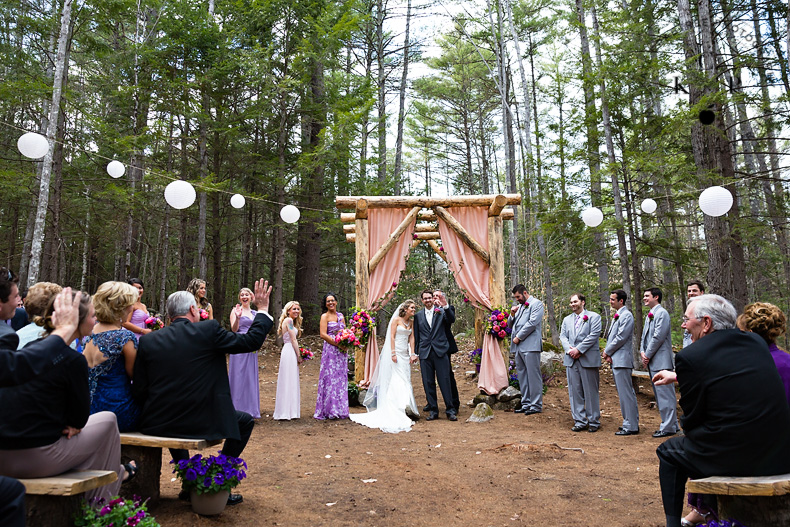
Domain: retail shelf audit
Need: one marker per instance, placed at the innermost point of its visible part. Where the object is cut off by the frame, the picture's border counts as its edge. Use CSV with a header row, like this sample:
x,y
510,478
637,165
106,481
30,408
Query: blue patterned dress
x,y
111,388
332,401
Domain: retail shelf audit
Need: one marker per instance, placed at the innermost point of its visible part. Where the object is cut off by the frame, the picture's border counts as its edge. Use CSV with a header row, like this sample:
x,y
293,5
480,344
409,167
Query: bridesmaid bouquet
x,y
203,314
497,324
347,340
154,323
306,353
362,322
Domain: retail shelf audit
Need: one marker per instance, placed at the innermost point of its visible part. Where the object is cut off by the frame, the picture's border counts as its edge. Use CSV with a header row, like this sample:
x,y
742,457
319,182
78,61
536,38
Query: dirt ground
x,y
512,470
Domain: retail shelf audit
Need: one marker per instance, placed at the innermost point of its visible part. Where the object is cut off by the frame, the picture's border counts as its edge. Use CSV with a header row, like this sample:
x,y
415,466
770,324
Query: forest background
x,y
573,104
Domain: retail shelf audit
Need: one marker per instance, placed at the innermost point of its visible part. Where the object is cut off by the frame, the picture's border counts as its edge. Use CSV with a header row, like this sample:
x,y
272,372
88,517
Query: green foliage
x,y
118,511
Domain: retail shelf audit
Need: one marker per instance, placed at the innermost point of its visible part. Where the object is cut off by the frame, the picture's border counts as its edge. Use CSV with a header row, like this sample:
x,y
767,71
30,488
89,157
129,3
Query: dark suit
x,y
735,415
181,381
453,349
432,345
19,320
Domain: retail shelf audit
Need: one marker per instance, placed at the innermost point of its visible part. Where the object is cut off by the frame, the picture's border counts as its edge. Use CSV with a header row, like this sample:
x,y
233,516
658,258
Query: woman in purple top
x,y
332,401
136,320
243,367
770,323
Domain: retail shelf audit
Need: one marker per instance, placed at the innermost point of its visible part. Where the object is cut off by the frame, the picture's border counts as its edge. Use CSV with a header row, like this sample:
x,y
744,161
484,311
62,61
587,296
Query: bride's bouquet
x,y
347,340
362,322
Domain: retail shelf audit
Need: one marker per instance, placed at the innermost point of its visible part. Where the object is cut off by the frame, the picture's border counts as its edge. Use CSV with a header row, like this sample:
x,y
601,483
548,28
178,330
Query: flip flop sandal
x,y
131,470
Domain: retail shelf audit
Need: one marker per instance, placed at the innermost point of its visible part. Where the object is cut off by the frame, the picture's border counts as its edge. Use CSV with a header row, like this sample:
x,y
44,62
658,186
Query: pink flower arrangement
x,y
496,324
362,323
154,323
347,340
394,284
203,314
616,316
496,329
500,316
306,353
441,248
502,334
466,300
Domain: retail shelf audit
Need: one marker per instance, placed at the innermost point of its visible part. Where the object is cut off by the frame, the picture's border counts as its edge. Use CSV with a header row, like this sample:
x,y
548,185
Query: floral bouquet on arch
x,y
362,322
210,474
347,340
497,324
154,323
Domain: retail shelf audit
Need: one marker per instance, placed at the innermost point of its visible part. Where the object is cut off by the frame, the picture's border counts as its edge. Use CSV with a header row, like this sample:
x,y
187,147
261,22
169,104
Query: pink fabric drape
x,y
382,223
471,273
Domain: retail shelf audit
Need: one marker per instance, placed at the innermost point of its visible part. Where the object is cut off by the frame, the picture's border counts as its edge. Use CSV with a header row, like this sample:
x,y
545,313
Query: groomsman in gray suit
x,y
526,344
579,336
619,353
693,289
656,356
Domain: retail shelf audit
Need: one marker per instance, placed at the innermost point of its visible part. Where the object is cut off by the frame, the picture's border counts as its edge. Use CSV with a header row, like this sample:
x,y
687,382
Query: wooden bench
x,y
146,451
762,501
53,501
638,377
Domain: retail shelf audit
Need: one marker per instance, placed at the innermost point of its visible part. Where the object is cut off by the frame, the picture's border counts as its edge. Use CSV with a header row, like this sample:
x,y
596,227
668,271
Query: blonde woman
x,y
287,404
243,367
110,352
198,288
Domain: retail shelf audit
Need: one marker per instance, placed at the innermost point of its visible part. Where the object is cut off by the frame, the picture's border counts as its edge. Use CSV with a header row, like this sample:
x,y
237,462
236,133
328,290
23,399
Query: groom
x,y
431,327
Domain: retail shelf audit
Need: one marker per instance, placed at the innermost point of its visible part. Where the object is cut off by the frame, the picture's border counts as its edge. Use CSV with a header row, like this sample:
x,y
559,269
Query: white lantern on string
x,y
715,201
290,214
33,145
237,201
592,217
180,194
116,169
649,206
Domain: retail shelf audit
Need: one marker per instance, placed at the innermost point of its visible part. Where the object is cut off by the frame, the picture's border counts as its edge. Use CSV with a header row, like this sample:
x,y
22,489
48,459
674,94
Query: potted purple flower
x,y
209,480
117,511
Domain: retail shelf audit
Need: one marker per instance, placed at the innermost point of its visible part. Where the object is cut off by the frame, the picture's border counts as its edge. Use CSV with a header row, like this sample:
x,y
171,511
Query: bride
x,y
390,392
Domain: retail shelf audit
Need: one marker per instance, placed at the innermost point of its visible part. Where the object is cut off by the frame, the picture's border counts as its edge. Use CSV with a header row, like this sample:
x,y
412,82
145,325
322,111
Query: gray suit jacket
x,y
526,326
585,339
620,344
657,339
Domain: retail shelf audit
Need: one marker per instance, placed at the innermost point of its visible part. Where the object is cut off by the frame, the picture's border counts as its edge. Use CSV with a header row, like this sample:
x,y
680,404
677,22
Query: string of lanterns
x,y
179,194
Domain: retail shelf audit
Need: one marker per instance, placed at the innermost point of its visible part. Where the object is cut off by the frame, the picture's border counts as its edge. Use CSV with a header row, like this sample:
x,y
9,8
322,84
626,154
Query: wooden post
x,y
480,326
363,276
496,272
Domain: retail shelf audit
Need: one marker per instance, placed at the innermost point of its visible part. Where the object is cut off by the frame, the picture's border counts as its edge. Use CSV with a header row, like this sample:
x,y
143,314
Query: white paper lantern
x,y
180,194
237,201
116,169
592,217
33,145
649,206
290,214
715,201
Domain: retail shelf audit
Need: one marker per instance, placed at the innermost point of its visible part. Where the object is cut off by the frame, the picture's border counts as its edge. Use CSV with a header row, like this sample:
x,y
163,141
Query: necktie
x,y
578,322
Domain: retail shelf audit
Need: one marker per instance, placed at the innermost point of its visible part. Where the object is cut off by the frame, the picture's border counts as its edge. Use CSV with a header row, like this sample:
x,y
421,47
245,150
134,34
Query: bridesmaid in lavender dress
x,y
332,402
136,321
287,404
243,367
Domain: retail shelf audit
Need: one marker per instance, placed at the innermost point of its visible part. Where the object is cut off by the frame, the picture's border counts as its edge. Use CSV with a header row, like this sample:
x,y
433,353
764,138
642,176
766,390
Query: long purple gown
x,y
287,404
243,376
332,402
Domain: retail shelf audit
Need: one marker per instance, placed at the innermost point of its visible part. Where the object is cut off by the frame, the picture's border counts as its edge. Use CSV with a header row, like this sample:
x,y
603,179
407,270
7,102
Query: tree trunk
x,y
382,92
396,173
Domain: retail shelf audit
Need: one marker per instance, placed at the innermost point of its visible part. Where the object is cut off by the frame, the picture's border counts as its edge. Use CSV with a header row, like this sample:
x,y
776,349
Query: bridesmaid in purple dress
x,y
288,402
243,367
136,321
332,402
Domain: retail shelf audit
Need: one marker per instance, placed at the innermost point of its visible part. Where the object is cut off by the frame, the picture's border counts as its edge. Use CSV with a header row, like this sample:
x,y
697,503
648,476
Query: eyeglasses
x,y
686,319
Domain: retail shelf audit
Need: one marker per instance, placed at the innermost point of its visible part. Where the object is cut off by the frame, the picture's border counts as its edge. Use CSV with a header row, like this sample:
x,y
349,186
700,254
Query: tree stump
x,y
756,511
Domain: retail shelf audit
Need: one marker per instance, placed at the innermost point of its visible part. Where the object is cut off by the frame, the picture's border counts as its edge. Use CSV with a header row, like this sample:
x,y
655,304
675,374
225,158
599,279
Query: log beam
x,y
393,239
429,202
461,232
497,205
361,209
349,228
438,250
418,236
425,215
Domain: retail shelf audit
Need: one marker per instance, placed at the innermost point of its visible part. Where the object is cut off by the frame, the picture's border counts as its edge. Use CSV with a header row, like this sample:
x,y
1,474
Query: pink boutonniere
x,y
585,318
650,315
616,316
437,310
526,304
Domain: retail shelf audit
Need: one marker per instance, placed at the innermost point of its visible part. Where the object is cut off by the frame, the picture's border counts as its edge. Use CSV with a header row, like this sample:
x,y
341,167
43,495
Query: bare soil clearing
x,y
512,470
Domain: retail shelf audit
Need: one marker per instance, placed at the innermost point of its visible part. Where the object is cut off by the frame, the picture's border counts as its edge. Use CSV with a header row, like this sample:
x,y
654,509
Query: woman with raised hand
x,y
243,367
288,400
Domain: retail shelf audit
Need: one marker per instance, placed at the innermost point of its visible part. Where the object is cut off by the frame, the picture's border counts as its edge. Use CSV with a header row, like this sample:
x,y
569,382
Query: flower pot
x,y
209,504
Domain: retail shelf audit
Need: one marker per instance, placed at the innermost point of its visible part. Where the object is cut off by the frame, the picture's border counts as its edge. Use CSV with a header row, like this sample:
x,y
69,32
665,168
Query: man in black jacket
x,y
181,378
735,413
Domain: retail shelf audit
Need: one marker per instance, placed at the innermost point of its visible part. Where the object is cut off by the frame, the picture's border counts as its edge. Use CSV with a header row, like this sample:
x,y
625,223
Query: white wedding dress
x,y
390,392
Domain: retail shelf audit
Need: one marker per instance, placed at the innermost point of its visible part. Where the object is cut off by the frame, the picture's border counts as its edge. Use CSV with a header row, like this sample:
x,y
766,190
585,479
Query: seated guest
x,y
770,323
181,378
732,400
17,368
45,427
38,298
110,352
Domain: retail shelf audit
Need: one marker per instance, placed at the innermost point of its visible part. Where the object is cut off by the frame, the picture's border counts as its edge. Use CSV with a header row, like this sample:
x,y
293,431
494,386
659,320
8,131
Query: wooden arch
x,y
426,210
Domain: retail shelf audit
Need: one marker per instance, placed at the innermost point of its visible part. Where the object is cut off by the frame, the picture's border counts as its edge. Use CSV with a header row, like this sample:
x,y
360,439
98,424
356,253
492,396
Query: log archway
x,y
424,213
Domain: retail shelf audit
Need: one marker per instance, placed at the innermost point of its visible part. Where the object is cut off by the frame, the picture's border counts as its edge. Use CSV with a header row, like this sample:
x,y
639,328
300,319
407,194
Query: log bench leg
x,y
149,463
755,511
52,511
